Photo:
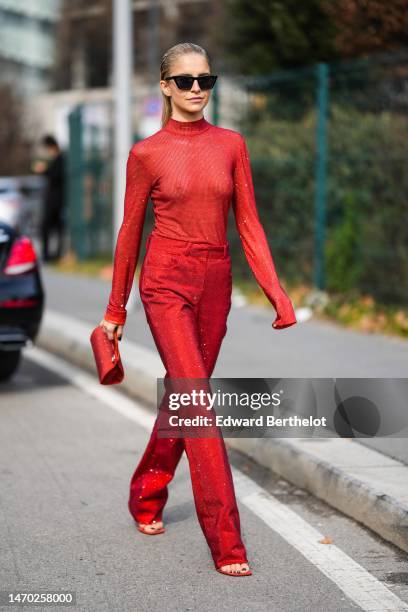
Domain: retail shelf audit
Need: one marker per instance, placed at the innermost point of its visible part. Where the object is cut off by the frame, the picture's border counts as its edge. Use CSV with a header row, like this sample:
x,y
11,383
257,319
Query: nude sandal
x,y
232,573
143,529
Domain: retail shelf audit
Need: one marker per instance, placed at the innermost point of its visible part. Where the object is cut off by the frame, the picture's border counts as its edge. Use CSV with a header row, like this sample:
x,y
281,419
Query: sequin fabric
x,y
193,172
186,293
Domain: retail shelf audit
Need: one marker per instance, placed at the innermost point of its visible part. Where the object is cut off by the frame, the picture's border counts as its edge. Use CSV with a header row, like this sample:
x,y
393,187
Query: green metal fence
x,y
89,189
328,146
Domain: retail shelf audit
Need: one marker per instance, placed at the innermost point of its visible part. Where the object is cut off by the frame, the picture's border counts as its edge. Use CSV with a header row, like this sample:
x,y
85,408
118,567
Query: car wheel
x,y
9,361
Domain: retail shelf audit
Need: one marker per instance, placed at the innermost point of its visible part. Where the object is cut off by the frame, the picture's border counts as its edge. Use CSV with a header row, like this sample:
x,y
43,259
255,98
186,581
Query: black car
x,y
21,296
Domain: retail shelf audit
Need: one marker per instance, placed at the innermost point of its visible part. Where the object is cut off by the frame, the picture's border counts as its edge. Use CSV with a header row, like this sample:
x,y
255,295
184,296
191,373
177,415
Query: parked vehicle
x,y
21,289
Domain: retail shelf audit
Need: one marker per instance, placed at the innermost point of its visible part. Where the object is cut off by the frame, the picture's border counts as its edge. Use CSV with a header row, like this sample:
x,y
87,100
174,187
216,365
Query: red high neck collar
x,y
187,127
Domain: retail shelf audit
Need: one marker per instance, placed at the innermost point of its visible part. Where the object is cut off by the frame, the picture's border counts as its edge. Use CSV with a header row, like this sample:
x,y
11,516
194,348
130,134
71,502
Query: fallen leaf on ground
x,y
326,540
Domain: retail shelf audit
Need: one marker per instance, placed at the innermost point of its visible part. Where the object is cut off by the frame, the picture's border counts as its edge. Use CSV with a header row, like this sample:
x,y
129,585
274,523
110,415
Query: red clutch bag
x,y
107,357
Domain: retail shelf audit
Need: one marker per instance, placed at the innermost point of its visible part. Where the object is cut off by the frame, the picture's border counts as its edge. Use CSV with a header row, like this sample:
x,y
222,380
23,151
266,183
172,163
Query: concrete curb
x,y
358,481
371,490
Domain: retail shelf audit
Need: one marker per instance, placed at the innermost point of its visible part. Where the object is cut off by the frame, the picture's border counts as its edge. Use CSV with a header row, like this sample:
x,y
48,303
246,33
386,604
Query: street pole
x,y
122,94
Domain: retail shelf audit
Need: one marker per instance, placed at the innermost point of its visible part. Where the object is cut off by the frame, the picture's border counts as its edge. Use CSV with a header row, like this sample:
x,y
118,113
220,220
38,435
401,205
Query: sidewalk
x,y
359,480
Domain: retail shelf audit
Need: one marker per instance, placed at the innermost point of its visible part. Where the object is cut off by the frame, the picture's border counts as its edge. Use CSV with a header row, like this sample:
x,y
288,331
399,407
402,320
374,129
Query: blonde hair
x,y
165,70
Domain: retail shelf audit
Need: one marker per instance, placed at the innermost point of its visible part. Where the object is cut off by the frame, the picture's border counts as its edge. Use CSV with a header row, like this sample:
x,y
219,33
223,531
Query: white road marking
x,y
356,582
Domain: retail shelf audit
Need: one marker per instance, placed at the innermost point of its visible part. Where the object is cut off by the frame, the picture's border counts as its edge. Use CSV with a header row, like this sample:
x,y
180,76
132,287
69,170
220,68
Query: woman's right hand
x,y
109,328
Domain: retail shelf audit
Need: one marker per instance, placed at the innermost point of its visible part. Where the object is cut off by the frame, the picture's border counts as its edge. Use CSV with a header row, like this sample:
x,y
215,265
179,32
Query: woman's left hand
x,y
284,311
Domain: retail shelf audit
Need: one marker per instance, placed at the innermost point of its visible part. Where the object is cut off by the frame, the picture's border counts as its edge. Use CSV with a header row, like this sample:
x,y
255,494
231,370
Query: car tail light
x,y
22,258
19,303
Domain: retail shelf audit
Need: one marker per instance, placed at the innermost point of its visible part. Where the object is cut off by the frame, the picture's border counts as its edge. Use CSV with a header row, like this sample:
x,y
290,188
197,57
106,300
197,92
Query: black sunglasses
x,y
185,82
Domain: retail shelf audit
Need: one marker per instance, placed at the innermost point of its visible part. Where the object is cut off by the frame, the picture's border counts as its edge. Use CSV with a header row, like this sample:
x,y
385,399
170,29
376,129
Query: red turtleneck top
x,y
192,171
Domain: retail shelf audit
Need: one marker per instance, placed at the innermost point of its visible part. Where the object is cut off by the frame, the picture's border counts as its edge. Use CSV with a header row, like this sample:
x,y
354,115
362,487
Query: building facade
x,y
27,43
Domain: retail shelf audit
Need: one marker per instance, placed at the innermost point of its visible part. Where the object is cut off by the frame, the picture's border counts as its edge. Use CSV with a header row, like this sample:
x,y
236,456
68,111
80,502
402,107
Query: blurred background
x,y
319,89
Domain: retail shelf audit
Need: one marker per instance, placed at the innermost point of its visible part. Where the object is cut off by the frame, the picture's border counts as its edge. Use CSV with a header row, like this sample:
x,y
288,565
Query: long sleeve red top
x,y
192,171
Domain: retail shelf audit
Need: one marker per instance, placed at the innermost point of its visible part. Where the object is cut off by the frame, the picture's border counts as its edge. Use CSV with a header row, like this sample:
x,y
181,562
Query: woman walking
x,y
193,171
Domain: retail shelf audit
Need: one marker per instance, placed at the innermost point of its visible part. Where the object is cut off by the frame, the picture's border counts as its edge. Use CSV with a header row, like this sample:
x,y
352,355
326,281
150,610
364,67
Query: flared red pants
x,y
186,293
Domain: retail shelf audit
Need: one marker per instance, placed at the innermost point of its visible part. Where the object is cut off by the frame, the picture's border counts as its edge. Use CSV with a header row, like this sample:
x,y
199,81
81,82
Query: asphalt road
x,y
67,450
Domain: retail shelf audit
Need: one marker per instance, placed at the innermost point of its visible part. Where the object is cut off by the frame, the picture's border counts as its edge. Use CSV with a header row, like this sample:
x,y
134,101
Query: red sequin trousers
x,y
186,293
